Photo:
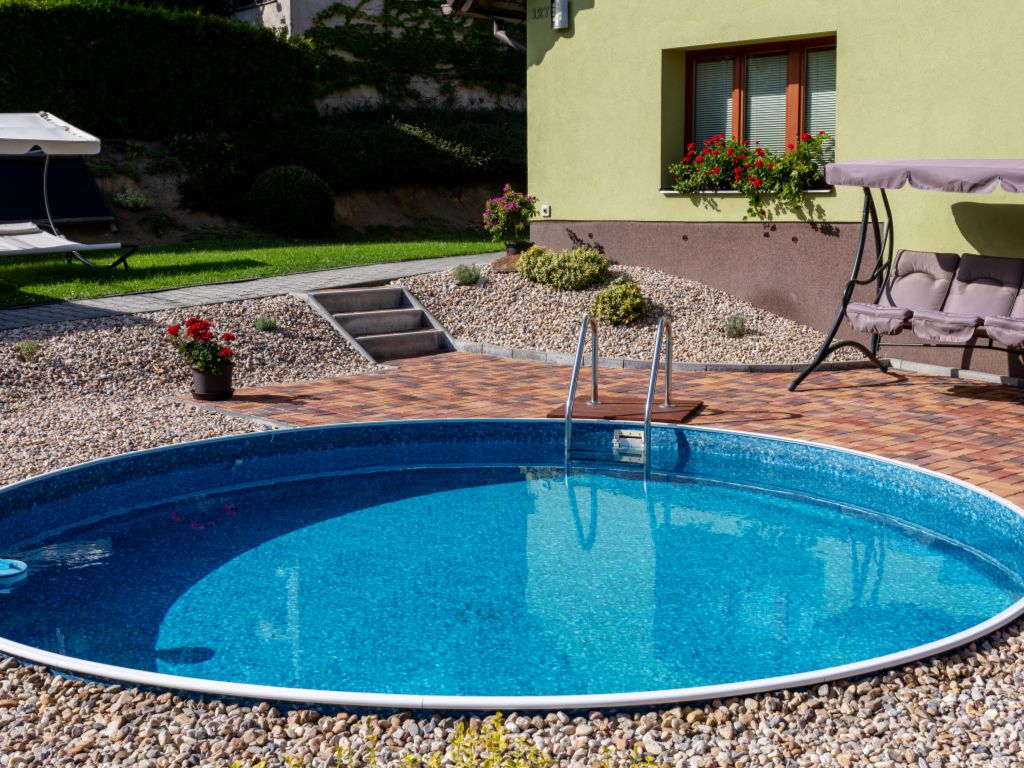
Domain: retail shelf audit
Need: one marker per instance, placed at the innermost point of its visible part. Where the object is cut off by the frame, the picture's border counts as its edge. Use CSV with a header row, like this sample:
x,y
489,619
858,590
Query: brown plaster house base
x,y
793,269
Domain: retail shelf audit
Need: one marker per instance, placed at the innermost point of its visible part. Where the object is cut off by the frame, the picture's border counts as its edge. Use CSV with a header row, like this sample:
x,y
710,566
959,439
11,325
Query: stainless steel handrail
x,y
591,324
664,325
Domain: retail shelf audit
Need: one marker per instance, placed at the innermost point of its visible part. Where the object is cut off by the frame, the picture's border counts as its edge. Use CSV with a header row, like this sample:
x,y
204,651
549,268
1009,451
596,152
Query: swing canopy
x,y
967,176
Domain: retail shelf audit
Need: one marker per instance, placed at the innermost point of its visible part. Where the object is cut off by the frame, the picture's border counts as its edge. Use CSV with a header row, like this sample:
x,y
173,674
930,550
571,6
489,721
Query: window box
x,y
669,192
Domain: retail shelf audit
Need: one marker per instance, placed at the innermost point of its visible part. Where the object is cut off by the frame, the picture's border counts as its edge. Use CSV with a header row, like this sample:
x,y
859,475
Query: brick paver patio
x,y
970,430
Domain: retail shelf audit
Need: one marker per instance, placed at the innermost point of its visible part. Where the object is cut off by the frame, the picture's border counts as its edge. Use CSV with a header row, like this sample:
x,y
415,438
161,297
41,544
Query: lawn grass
x,y
212,258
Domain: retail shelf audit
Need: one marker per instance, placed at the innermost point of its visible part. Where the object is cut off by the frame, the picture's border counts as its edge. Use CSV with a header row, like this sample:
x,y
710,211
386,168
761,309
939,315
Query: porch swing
x,y
945,299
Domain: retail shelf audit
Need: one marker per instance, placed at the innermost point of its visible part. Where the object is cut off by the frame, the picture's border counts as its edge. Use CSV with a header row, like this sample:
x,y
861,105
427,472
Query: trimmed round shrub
x,y
291,200
574,270
533,263
621,303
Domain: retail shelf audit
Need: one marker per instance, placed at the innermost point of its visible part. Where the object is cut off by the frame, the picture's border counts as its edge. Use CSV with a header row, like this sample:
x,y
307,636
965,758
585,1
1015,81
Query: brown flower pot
x,y
514,249
212,386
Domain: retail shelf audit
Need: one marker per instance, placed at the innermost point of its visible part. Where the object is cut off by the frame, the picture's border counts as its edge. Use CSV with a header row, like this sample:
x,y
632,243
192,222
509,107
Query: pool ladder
x,y
629,445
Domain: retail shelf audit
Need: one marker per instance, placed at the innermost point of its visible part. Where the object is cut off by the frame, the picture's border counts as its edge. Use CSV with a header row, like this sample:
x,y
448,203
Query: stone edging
x,y
562,358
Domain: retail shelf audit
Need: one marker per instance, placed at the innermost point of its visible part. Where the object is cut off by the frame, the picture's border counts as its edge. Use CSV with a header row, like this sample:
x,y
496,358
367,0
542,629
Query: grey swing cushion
x,y
919,280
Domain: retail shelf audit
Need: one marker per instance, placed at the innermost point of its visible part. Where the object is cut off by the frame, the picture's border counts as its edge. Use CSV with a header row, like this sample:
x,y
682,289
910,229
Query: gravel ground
x,y
508,310
101,387
105,386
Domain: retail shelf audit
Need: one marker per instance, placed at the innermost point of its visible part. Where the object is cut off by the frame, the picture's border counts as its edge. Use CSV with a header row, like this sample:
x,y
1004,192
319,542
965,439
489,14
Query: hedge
x,y
358,151
148,73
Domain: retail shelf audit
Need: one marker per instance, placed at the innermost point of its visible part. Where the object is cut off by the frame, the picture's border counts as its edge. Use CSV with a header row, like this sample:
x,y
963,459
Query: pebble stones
x,y
102,387
507,310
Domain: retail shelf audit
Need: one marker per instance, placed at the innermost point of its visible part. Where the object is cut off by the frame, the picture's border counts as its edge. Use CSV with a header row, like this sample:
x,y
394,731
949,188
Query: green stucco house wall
x,y
610,96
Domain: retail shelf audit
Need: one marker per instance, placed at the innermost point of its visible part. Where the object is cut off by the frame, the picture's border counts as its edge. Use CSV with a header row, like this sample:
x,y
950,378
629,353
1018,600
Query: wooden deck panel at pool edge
x,y
629,409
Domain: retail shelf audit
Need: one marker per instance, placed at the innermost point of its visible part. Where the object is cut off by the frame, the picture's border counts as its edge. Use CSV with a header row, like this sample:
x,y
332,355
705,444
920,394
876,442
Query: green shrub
x,y
735,326
620,303
131,199
266,324
291,200
533,263
28,350
466,274
125,70
573,270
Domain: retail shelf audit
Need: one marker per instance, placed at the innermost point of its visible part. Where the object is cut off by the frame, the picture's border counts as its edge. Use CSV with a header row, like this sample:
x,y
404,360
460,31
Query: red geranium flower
x,y
790,146
225,352
759,151
228,336
758,163
730,152
173,329
716,170
699,159
805,136
691,145
821,133
756,182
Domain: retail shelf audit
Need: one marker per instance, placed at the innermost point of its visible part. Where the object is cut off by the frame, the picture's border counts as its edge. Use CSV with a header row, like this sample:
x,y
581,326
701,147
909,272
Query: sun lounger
x,y
26,239
33,133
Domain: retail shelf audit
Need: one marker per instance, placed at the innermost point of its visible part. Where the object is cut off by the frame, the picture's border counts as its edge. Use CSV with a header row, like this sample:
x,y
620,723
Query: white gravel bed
x,y
105,386
508,310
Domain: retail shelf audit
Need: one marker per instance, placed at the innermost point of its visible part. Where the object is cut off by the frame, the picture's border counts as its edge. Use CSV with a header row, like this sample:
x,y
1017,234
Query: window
x,y
767,93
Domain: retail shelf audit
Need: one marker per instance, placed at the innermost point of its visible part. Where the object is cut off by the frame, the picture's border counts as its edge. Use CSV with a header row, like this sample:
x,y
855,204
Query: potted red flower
x,y
209,356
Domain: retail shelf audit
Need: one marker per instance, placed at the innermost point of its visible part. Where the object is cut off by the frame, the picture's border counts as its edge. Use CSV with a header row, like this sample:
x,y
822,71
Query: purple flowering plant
x,y
507,217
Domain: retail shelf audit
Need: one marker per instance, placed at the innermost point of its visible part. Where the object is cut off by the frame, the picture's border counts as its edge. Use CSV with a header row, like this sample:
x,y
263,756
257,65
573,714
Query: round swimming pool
x,y
455,564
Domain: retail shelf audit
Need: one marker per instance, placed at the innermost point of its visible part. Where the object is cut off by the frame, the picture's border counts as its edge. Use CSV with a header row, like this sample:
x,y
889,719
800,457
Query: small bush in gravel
x,y
266,324
292,201
130,198
574,270
621,303
532,262
466,274
28,350
735,326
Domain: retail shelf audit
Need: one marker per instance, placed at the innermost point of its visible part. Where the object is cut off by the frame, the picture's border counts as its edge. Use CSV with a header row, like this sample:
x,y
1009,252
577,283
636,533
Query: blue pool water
x,y
476,567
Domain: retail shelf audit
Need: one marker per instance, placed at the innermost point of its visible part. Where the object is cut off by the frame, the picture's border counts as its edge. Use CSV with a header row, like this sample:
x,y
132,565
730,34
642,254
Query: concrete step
x,y
382,321
347,300
392,346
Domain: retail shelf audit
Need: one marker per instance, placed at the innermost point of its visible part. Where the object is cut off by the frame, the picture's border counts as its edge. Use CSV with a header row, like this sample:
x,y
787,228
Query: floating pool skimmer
x,y
11,572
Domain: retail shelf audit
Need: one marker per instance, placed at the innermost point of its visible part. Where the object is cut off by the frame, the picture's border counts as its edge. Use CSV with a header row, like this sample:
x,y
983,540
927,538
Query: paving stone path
x,y
216,293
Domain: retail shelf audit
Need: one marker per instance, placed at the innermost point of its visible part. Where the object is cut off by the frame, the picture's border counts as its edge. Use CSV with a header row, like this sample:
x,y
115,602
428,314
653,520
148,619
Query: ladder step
x,y
606,457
